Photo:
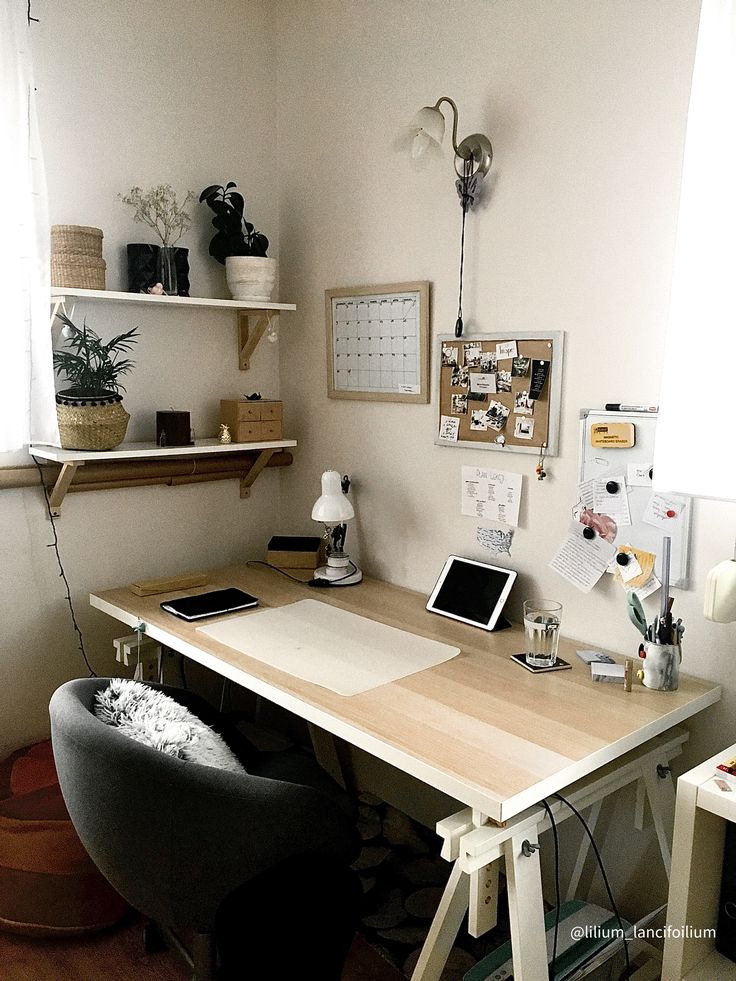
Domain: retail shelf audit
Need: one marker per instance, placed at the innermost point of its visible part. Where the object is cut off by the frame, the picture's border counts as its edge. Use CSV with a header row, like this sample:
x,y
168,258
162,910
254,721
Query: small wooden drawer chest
x,y
252,421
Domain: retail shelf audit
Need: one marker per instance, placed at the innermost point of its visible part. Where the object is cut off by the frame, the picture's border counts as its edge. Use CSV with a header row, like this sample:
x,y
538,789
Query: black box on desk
x,y
294,551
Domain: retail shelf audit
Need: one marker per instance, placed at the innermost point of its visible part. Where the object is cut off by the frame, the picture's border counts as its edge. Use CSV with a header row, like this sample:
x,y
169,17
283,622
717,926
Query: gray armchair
x,y
181,842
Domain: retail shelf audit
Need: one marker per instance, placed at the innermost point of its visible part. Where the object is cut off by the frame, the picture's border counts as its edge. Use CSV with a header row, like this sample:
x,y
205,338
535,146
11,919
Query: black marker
x,y
620,407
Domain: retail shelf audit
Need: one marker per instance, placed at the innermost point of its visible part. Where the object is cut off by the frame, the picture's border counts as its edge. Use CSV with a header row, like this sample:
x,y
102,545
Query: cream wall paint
x,y
141,93
585,104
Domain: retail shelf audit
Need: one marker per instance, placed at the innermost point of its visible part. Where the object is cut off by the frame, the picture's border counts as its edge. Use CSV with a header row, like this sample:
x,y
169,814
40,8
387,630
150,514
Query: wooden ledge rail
x,y
169,471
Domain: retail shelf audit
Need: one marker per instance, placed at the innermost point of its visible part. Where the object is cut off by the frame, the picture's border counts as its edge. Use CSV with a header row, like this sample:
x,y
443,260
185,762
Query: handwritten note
x,y
491,495
639,475
506,350
613,502
663,512
582,561
449,428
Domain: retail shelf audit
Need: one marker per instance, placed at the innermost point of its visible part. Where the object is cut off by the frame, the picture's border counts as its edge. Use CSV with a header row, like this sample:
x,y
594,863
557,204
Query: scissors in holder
x,y
636,614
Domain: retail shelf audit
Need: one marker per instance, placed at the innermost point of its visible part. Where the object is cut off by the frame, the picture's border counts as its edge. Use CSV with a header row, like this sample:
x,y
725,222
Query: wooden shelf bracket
x,y
63,482
252,325
260,462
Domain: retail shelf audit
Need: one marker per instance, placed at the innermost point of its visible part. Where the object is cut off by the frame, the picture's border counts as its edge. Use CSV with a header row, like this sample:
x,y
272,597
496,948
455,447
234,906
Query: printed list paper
x,y
492,495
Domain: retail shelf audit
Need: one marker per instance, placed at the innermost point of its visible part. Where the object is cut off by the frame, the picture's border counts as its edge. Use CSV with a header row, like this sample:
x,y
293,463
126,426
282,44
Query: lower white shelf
x,y
71,460
141,451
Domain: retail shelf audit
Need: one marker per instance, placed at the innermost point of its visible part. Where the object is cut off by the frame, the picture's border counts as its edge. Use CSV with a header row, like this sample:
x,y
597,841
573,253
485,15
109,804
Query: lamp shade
x,y
332,506
429,128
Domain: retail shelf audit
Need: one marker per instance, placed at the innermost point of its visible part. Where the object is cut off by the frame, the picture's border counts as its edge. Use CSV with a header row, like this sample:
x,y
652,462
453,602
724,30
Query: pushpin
x,y
670,513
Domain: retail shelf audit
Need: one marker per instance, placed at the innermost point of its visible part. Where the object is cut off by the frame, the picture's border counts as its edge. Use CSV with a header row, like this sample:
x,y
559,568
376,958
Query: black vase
x,y
142,265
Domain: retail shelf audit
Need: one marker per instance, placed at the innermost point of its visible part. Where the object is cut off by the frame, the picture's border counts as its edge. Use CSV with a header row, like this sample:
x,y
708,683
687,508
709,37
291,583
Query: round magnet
x,y
612,487
588,533
670,513
651,473
622,558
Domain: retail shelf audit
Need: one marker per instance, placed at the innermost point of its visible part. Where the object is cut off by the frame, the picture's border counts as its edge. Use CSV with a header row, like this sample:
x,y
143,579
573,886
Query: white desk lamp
x,y
332,508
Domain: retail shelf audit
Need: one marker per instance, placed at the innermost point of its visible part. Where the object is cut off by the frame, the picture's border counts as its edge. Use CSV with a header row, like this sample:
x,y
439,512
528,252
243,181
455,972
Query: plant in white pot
x,y
251,275
90,413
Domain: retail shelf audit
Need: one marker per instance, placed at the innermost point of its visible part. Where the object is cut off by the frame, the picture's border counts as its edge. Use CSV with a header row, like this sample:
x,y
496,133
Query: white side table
x,y
701,813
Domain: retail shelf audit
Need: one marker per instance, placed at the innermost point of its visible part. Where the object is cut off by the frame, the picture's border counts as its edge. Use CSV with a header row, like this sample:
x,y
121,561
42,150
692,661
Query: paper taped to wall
x,y
491,494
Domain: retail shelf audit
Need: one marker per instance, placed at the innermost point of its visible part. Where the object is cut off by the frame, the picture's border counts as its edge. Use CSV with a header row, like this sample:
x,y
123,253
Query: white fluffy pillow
x,y
153,718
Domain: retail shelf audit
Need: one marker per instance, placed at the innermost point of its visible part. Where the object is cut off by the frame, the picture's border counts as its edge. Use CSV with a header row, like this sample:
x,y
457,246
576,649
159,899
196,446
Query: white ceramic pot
x,y
251,277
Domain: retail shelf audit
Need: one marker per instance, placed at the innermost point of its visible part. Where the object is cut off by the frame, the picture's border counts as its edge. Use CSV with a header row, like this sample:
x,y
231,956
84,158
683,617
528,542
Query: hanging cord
x,y
62,574
589,833
553,824
465,202
30,18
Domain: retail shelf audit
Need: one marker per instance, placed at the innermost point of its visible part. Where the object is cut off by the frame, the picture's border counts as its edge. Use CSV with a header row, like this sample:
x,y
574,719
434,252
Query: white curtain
x,y
696,432
27,410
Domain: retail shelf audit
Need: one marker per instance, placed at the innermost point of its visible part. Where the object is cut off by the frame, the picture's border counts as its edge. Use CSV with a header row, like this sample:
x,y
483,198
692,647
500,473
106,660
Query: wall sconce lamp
x,y
473,158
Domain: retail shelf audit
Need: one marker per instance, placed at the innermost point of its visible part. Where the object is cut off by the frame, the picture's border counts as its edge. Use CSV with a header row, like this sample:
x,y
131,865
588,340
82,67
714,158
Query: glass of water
x,y
542,626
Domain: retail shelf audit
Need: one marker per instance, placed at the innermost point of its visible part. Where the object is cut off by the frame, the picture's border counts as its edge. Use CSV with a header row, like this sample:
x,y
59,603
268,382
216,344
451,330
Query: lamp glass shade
x,y
431,123
332,506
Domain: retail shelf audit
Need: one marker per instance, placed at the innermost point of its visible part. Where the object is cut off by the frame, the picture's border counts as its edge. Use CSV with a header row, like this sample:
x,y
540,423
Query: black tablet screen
x,y
470,591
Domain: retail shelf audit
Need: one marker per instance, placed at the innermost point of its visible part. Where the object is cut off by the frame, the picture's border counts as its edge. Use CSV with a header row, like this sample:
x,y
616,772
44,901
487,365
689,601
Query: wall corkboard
x,y
469,369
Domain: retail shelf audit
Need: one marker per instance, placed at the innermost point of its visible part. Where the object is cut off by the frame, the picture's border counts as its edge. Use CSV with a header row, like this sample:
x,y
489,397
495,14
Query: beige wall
x,y
585,104
307,106
141,93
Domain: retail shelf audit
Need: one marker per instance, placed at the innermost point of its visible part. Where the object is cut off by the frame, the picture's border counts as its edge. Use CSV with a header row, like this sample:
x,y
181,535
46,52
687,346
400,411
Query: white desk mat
x,y
316,642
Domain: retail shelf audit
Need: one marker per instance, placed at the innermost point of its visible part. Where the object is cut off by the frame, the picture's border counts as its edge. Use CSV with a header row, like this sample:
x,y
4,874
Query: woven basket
x,y
76,240
76,257
92,427
82,272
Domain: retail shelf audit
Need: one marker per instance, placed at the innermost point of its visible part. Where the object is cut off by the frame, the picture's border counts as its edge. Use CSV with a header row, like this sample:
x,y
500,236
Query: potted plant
x,y
237,245
164,266
90,413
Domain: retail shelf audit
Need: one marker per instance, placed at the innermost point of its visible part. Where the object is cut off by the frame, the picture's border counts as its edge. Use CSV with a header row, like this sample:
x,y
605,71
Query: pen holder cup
x,y
660,666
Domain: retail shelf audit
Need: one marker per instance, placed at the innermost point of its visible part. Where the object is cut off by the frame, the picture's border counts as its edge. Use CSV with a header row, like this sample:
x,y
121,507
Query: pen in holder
x,y
660,667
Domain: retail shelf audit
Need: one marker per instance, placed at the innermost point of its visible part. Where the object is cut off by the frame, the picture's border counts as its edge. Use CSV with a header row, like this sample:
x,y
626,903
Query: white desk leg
x,y
325,753
697,854
583,851
526,910
483,911
661,794
443,930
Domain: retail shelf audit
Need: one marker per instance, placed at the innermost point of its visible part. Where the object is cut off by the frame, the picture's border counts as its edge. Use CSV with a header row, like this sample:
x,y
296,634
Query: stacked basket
x,y
76,257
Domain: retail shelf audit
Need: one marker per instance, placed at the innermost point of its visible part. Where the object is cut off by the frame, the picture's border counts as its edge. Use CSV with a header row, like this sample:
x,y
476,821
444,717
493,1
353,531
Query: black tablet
x,y
209,604
470,591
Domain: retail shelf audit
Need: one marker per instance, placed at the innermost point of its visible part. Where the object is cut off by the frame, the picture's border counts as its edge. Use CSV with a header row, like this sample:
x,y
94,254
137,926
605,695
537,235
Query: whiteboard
x,y
594,461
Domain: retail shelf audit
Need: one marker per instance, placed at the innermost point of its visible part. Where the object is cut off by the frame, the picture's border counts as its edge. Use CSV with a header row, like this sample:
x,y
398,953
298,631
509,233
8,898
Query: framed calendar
x,y
378,342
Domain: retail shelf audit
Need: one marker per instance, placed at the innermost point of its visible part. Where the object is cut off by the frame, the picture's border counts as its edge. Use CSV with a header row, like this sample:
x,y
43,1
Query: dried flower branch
x,y
159,209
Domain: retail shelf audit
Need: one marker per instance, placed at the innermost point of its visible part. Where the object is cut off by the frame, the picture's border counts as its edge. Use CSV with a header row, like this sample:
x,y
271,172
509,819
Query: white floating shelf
x,y
142,451
72,460
59,293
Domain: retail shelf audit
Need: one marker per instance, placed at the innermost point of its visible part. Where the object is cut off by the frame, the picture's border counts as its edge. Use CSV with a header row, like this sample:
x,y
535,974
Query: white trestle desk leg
x,y
526,909
661,794
444,928
483,911
325,752
583,851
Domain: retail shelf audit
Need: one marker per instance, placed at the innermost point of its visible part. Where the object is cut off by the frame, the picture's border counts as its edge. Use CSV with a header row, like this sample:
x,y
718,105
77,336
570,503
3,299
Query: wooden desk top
x,y
478,727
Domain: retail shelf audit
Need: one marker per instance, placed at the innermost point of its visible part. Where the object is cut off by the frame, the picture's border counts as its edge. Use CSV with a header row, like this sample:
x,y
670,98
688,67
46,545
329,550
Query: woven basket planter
x,y
87,423
76,257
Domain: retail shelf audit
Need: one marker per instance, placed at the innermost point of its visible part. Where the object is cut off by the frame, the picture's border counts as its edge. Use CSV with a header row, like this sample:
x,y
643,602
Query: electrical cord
x,y
275,569
589,833
62,574
553,824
